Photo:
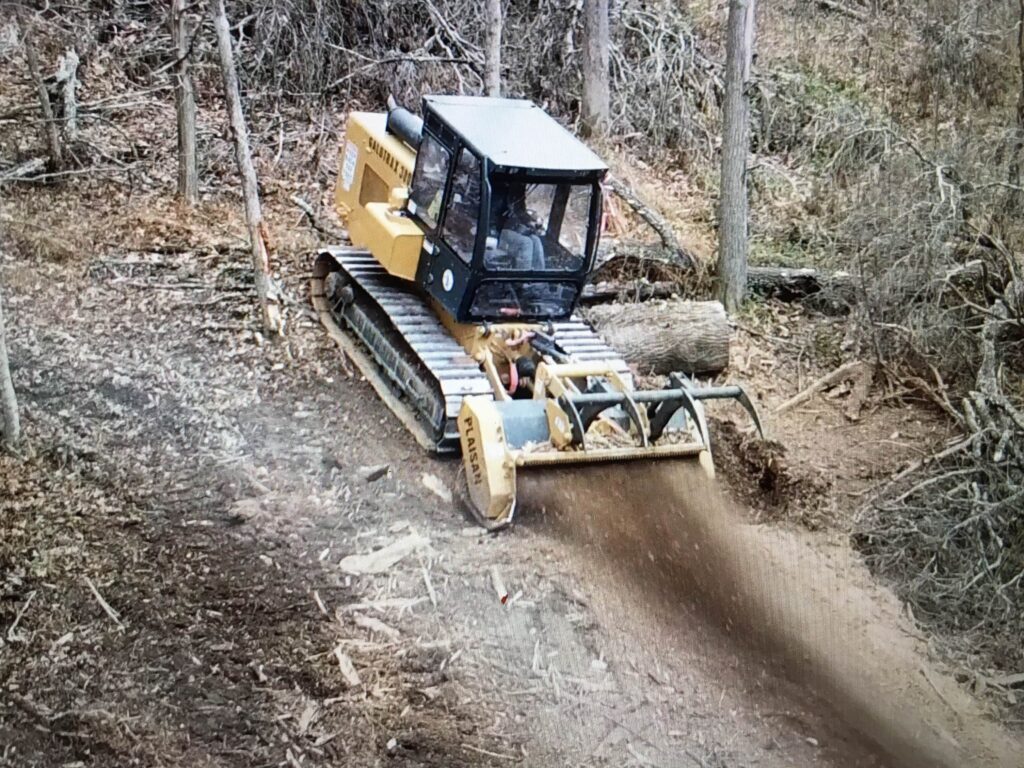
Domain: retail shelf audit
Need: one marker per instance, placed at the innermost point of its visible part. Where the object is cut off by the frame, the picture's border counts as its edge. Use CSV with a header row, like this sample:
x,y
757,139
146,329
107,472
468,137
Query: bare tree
x,y
52,136
732,207
185,104
596,103
270,303
10,426
492,68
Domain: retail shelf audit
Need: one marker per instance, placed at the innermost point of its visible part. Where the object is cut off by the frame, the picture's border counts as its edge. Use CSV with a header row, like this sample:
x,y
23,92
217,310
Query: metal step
x,y
580,341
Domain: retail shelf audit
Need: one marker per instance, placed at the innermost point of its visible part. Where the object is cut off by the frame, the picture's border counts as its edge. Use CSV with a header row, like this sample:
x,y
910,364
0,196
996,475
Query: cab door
x,y
446,200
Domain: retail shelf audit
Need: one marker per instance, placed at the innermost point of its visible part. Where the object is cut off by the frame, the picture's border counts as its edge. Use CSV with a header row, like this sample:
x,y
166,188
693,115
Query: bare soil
x,y
171,536
208,483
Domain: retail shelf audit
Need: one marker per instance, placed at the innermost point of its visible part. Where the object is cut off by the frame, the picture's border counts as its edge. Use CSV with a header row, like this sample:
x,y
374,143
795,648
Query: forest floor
x,y
170,539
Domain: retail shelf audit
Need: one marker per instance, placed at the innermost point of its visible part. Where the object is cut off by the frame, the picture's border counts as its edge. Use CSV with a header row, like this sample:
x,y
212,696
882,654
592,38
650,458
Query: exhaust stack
x,y
404,124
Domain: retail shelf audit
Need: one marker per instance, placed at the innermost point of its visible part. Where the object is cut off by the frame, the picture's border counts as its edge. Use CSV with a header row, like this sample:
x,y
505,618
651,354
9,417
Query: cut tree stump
x,y
662,337
67,76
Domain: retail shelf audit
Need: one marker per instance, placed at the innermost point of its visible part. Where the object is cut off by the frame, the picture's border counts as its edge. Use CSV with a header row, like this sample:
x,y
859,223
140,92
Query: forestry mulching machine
x,y
473,231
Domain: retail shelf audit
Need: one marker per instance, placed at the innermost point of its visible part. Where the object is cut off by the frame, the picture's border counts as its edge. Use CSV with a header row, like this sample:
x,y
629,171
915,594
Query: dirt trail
x,y
162,405
780,600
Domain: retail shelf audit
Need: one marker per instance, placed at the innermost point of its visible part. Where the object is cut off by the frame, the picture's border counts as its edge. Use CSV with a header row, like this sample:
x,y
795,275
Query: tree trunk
x,y
663,337
51,135
10,426
492,74
596,103
67,74
1013,194
270,304
185,104
732,212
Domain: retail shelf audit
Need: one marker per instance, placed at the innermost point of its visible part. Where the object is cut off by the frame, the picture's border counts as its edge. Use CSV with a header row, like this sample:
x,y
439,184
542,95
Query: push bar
x,y
679,396
656,395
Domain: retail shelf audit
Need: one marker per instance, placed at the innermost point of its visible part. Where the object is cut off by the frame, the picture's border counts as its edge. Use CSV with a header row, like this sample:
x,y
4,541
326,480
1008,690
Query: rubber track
x,y
427,369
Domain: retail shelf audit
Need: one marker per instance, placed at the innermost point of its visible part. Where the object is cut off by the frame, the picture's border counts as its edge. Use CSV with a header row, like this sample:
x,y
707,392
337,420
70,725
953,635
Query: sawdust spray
x,y
775,597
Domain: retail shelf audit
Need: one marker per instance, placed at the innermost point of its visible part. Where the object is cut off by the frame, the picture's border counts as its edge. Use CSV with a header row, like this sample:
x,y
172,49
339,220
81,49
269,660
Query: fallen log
x,y
831,293
661,337
627,290
28,168
845,10
789,284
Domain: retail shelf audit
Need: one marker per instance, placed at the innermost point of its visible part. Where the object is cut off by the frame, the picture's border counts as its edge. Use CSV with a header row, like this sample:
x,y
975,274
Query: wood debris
x,y
103,603
372,473
383,559
375,625
498,584
436,485
348,670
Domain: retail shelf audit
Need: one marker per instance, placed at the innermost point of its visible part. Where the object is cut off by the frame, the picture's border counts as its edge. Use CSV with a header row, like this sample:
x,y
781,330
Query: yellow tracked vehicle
x,y
473,230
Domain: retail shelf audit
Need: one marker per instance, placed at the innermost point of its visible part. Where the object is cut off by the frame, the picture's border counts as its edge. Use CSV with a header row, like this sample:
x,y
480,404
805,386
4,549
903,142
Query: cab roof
x,y
512,133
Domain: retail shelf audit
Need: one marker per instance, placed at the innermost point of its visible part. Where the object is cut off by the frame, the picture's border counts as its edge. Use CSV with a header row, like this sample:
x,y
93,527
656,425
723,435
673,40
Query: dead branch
x,y
185,107
654,219
318,223
103,603
849,370
268,292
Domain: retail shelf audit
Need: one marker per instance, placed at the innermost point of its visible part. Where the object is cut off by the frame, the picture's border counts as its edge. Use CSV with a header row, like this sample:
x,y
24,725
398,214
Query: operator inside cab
x,y
534,229
537,227
515,242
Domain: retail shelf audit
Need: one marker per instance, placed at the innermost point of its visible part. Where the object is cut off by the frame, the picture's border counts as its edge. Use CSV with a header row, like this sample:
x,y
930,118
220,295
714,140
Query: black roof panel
x,y
513,133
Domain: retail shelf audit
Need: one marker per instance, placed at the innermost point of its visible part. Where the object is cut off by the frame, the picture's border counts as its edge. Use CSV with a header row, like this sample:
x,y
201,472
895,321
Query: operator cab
x,y
510,205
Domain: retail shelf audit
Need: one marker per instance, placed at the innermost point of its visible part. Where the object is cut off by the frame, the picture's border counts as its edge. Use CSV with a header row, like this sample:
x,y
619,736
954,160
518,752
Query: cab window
x,y
428,180
509,299
464,210
538,227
